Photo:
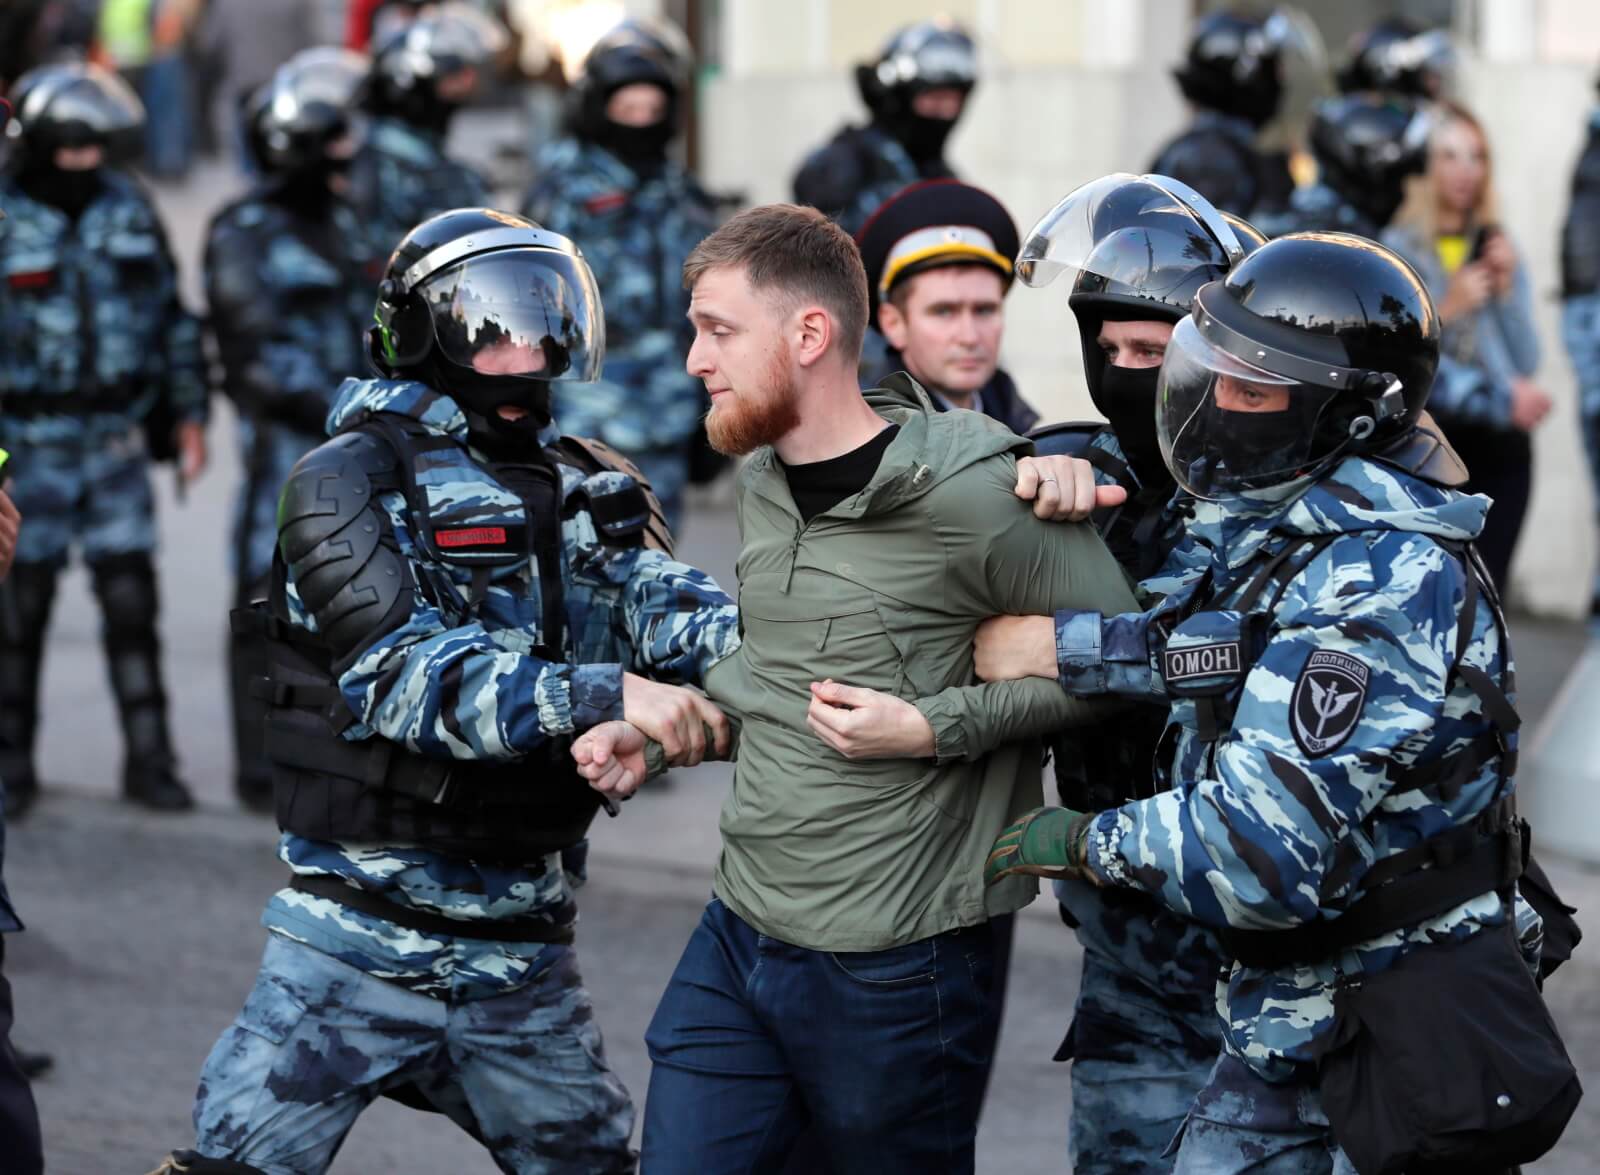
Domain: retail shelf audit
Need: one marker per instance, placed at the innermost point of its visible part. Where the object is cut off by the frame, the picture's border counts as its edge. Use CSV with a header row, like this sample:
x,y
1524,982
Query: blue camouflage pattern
x,y
449,683
524,1072
401,176
1580,332
1243,1125
1145,1031
1316,208
290,304
89,307
854,173
635,232
1254,834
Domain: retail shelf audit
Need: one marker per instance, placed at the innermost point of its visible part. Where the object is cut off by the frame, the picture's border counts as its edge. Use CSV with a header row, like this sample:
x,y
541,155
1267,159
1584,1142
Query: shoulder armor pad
x,y
1068,438
1425,453
331,533
623,513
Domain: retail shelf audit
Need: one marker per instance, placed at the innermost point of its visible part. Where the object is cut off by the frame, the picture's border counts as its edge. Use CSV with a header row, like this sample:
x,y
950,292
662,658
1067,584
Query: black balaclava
x,y
1252,443
307,191
923,138
478,395
642,148
69,191
1127,399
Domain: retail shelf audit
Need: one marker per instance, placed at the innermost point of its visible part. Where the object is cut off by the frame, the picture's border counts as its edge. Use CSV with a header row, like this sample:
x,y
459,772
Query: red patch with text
x,y
605,202
472,536
37,280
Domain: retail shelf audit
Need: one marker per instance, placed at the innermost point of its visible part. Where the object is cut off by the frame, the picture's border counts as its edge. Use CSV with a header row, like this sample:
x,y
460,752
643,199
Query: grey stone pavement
x,y
143,935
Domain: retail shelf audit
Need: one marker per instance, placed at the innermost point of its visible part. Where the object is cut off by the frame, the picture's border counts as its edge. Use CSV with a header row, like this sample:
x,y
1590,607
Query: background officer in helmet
x,y
1232,78
458,590
1337,679
289,269
420,76
1145,1033
1395,56
103,369
636,213
1580,310
938,260
915,92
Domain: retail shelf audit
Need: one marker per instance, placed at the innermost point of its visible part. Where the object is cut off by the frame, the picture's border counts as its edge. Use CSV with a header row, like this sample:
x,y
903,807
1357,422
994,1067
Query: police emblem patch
x,y
1327,700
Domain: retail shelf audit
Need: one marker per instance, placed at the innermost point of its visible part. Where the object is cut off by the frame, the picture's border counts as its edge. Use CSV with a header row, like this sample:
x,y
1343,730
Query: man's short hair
x,y
796,253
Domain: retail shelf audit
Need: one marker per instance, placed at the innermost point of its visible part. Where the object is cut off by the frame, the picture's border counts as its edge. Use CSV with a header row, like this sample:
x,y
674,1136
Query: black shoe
x,y
21,787
254,793
154,785
33,1065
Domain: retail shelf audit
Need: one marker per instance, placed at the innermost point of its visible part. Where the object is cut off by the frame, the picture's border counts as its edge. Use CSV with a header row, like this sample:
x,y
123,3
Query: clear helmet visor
x,y
1108,227
1225,425
532,313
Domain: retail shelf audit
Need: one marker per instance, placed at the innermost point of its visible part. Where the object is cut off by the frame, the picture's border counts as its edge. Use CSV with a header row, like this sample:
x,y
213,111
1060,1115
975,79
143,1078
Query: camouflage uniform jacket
x,y
290,302
1256,831
454,682
401,176
89,312
853,173
635,234
1217,157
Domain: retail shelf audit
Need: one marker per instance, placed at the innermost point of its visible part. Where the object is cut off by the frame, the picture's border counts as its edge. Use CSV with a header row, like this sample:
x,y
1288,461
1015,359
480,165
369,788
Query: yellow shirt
x,y
1453,248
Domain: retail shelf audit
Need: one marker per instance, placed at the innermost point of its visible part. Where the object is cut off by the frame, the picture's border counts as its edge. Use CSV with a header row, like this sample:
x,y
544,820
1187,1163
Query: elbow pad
x,y
339,546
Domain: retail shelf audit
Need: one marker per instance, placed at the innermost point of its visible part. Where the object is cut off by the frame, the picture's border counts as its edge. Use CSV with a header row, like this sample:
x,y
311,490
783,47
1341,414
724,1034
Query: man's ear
x,y
814,333
892,325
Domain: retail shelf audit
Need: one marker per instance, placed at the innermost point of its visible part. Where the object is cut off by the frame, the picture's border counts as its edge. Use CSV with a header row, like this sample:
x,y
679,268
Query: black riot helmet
x,y
75,105
654,52
305,107
1315,346
1366,145
1137,247
1395,56
1232,65
488,308
932,54
409,65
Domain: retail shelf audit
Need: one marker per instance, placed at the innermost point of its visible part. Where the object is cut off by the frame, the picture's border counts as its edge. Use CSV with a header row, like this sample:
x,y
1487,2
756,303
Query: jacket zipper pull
x,y
794,557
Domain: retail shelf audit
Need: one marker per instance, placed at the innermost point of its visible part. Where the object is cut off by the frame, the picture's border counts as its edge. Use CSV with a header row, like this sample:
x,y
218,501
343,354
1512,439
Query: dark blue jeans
x,y
881,1053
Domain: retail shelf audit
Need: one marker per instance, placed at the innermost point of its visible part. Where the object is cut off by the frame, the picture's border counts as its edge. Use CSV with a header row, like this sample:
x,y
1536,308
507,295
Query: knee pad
x,y
193,1163
126,587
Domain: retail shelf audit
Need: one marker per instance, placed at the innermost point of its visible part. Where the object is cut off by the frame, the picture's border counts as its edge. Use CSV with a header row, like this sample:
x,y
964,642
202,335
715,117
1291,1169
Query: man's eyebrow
x,y
694,314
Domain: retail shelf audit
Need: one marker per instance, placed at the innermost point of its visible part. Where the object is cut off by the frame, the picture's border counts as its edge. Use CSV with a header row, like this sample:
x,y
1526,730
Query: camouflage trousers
x,y
269,453
318,1040
1138,1060
1243,1123
94,495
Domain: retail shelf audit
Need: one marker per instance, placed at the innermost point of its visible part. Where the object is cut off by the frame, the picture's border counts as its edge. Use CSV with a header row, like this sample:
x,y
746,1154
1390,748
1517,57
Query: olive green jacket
x,y
885,591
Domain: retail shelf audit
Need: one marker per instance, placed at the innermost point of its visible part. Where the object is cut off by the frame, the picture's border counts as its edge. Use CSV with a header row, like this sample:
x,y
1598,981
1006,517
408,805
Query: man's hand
x,y
866,724
190,440
1008,648
1530,404
611,757
675,717
1047,842
10,525
1062,488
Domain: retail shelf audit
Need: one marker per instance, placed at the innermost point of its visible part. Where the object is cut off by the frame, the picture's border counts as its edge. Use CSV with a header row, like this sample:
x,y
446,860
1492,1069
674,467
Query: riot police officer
x,y
1365,147
1231,76
915,92
289,270
637,213
103,370
1580,310
1144,1033
1338,768
1395,56
420,76
457,590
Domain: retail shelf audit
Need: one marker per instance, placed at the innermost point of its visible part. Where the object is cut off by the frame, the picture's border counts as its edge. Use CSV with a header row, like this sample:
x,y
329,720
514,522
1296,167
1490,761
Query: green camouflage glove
x,y
1047,842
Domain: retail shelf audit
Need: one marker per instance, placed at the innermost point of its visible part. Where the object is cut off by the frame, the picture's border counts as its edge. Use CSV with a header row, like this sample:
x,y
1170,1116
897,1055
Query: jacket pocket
x,y
821,627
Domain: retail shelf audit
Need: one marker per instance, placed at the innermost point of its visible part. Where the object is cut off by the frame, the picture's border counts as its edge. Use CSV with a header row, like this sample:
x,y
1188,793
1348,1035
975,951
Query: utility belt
x,y
365,901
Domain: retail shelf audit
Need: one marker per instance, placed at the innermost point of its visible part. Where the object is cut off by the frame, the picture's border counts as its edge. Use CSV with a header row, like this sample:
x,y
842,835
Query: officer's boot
x,y
247,664
194,1163
25,600
126,586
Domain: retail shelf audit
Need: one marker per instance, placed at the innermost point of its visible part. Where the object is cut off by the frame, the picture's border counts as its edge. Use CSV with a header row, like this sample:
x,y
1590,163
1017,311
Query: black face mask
x,y
1127,398
479,395
923,138
1254,444
307,191
640,147
69,191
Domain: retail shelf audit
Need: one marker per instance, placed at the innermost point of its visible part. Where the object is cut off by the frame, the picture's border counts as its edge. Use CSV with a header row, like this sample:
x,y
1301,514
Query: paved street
x,y
143,933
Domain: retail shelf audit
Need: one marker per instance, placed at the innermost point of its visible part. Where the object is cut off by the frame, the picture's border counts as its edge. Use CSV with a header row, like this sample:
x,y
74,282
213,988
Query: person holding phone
x,y
1448,229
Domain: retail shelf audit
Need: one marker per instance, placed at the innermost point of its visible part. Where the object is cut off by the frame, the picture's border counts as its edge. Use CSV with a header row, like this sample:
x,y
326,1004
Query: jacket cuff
x,y
1100,851
950,736
1080,665
595,693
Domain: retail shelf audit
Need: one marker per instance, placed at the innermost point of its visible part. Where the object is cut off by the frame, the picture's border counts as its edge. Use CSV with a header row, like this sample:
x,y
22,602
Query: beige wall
x,y
1073,89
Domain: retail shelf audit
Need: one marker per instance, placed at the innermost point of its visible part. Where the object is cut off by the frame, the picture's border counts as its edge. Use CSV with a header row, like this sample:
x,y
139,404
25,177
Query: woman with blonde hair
x,y
1449,230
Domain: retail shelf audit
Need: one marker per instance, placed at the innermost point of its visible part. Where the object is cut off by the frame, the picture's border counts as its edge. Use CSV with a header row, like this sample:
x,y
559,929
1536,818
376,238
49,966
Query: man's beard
x,y
745,421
